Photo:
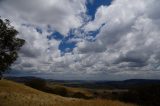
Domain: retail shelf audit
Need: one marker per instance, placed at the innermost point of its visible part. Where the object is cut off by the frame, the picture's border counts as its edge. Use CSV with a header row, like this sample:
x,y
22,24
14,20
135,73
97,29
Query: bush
x,y
80,95
58,90
39,84
145,94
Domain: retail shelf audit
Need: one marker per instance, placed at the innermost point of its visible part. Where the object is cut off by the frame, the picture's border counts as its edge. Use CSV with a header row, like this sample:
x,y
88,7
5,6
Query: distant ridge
x,y
91,84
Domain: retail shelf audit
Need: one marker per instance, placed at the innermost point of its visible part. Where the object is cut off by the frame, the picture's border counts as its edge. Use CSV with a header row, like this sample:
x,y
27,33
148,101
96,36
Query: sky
x,y
86,39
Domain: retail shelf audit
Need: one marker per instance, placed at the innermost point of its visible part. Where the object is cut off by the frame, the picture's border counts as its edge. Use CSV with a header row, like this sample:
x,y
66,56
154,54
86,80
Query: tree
x,y
9,45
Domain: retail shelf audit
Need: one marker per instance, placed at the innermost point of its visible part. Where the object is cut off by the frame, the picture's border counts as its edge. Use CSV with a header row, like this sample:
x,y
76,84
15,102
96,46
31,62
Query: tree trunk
x,y
1,76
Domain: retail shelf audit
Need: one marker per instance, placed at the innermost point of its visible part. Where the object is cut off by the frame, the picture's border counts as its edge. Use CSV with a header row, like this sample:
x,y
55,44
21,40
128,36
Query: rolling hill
x,y
15,94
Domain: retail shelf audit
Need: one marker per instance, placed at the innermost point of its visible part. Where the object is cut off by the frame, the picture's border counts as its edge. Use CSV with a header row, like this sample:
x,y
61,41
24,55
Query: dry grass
x,y
14,94
97,102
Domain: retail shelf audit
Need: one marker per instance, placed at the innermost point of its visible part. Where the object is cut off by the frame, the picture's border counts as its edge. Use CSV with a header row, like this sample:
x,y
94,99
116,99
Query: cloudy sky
x,y
86,39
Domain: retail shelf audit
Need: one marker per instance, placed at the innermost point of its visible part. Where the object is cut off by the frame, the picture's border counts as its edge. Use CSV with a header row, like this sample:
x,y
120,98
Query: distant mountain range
x,y
91,84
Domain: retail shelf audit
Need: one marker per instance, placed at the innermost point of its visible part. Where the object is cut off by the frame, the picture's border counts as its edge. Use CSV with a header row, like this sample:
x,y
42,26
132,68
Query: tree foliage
x,y
9,45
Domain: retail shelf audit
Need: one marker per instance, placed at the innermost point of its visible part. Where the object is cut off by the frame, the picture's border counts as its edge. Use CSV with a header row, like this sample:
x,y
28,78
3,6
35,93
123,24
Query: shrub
x,y
37,83
145,94
58,90
79,95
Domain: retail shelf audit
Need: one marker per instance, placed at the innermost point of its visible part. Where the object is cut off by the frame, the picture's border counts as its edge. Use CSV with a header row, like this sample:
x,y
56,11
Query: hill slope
x,y
15,94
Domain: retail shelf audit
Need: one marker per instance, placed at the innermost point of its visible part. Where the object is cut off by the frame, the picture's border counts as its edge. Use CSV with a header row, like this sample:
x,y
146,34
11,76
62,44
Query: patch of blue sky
x,y
92,6
93,34
56,35
66,46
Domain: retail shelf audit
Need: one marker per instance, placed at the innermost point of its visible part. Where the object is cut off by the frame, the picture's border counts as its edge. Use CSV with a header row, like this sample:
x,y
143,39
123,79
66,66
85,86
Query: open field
x,y
14,94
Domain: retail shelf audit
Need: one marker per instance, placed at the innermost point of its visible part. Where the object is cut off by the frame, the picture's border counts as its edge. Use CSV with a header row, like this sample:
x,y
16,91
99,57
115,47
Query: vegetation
x,y
9,45
80,95
42,85
37,83
59,90
142,92
147,94
14,94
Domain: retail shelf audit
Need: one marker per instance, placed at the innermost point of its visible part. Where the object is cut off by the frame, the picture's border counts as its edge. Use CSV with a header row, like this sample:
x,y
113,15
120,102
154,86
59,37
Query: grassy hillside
x,y
15,94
